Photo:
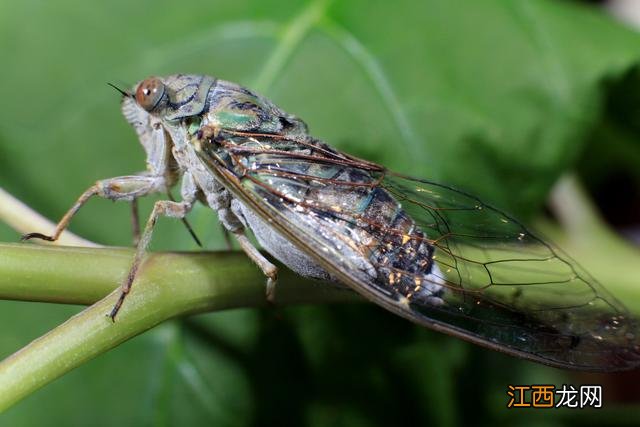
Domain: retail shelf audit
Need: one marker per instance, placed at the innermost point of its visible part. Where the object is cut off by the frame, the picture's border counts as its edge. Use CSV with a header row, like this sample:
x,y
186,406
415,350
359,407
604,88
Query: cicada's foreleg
x,y
269,270
120,188
161,208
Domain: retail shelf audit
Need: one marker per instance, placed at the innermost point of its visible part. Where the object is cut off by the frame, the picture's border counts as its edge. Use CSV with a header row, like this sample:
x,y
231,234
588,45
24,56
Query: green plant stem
x,y
576,213
168,285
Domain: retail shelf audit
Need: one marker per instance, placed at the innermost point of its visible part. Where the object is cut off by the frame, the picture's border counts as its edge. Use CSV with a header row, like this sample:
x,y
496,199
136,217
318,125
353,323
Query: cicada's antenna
x,y
122,92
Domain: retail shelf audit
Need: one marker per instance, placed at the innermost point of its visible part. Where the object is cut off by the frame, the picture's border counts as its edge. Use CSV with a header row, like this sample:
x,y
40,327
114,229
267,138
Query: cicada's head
x,y
157,105
173,97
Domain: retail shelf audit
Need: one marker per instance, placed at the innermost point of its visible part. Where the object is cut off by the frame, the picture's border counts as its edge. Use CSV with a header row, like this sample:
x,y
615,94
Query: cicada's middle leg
x,y
170,208
135,222
161,208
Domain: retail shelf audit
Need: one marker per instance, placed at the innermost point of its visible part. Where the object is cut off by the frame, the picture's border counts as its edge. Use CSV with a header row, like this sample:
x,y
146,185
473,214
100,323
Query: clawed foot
x,y
271,291
40,236
272,281
116,307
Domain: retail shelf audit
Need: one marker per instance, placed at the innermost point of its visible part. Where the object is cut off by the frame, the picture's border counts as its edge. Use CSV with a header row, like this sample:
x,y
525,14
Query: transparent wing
x,y
511,288
429,253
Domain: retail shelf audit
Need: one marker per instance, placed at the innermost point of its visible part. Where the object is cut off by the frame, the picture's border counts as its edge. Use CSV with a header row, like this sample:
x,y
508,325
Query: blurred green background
x,y
497,97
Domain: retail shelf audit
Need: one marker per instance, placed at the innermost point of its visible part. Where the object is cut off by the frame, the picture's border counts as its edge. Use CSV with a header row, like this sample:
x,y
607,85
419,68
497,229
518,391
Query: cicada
x,y
425,251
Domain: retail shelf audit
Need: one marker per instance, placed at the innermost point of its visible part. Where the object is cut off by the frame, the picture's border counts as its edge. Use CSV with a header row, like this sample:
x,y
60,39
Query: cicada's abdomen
x,y
398,249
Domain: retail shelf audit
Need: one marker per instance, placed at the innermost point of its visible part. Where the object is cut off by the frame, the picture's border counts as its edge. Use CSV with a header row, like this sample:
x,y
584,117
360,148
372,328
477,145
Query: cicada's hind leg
x,y
160,208
232,220
269,270
120,188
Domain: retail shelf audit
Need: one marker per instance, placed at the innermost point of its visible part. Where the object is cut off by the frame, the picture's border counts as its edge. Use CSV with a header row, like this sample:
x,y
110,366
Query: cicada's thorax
x,y
231,106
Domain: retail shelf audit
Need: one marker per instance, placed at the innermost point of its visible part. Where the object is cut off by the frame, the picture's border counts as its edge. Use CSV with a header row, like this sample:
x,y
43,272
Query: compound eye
x,y
149,93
